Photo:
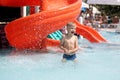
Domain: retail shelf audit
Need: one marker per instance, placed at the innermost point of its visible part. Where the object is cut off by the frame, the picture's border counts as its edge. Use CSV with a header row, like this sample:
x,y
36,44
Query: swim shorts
x,y
69,57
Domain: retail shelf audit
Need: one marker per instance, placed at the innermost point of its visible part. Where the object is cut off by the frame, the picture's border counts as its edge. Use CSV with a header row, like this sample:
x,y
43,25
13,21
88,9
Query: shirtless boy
x,y
69,43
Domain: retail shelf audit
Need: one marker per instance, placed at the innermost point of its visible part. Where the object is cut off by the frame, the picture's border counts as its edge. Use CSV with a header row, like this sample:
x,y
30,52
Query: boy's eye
x,y
73,28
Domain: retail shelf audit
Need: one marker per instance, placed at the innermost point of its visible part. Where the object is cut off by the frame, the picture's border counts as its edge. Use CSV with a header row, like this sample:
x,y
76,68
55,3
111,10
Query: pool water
x,y
95,62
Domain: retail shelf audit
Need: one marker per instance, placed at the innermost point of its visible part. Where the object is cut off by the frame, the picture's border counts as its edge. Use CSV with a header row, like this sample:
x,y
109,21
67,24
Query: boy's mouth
x,y
72,32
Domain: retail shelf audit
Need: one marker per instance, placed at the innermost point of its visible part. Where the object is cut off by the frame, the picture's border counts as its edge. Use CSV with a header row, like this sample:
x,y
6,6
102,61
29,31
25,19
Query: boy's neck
x,y
70,35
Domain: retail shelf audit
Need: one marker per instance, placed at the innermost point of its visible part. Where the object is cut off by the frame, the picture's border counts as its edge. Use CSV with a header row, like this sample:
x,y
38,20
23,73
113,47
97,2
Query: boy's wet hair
x,y
70,24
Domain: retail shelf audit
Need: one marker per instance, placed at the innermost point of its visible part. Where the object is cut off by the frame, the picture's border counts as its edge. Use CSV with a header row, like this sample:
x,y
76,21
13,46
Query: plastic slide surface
x,y
31,32
89,33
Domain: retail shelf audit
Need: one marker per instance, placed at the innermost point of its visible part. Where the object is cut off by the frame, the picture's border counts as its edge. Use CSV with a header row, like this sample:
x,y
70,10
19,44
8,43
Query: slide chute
x,y
31,32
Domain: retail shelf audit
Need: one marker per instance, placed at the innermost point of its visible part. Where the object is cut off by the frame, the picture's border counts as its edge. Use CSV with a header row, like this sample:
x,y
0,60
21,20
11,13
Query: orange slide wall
x,y
30,32
89,33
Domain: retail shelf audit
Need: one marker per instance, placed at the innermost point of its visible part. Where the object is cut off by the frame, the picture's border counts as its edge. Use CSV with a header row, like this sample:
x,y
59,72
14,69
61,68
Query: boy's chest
x,y
70,41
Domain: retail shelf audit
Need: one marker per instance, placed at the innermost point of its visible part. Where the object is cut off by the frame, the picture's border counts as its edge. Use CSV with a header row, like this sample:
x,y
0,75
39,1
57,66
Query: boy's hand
x,y
66,51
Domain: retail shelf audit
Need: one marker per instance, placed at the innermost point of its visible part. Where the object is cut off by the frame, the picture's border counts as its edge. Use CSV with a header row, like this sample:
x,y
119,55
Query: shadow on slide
x,y
31,32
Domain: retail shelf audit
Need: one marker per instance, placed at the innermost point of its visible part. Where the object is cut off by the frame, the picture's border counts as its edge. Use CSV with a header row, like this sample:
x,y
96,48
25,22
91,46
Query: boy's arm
x,y
62,43
76,47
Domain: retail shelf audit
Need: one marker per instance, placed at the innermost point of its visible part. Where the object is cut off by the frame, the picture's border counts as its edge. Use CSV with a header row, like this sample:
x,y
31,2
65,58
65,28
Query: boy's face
x,y
71,29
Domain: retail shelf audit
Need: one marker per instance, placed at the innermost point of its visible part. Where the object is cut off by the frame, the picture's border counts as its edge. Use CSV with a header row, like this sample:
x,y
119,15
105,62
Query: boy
x,y
69,43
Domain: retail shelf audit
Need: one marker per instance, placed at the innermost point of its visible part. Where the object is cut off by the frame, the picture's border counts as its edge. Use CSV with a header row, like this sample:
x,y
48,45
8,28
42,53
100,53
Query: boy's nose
x,y
75,30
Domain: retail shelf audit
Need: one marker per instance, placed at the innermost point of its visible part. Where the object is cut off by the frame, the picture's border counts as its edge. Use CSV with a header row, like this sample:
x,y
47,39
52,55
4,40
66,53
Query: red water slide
x,y
89,33
30,32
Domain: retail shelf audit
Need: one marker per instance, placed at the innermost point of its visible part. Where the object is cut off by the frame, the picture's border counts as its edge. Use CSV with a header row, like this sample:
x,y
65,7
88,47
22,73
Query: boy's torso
x,y
69,43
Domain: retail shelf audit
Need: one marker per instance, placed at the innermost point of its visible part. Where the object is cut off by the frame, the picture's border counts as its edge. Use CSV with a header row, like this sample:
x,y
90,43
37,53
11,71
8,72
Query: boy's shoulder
x,y
74,36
